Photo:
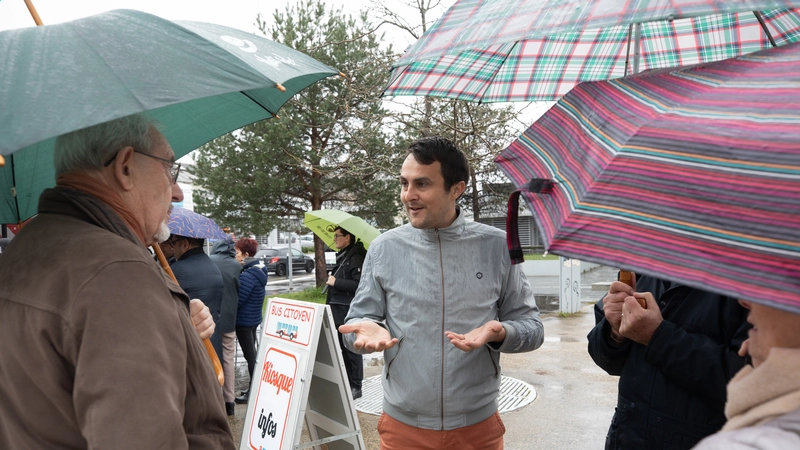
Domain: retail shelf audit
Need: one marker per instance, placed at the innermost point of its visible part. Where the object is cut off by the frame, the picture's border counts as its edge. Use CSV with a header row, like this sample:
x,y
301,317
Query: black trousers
x,y
247,340
353,362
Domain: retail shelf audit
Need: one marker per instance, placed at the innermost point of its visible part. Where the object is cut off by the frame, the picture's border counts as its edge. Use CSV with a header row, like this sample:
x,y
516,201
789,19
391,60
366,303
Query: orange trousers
x,y
486,435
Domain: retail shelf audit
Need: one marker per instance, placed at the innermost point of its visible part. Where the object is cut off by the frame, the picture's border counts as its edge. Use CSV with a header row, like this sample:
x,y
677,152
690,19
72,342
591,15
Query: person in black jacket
x,y
199,277
223,254
342,285
674,359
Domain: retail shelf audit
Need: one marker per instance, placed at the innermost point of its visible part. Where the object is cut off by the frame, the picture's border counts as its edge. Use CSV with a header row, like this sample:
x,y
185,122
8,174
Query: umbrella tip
x,y
276,116
341,74
280,87
2,161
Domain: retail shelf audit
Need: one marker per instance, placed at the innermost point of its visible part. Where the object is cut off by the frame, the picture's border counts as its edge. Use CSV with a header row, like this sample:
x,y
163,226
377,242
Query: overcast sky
x,y
233,13
239,14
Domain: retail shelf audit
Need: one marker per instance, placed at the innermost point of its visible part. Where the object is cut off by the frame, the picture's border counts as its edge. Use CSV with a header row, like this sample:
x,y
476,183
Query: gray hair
x,y
90,148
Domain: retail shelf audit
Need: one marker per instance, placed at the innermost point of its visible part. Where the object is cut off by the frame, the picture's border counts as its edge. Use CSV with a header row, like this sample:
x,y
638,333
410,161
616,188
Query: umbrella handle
x,y
626,276
212,354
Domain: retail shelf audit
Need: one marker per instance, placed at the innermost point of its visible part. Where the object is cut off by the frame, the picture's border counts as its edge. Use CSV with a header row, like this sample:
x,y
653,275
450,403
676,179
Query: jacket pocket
x,y
391,355
490,353
617,429
670,433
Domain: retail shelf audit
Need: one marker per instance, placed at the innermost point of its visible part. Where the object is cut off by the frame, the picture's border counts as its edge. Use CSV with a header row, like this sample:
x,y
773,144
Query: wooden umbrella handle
x,y
626,277
34,14
212,354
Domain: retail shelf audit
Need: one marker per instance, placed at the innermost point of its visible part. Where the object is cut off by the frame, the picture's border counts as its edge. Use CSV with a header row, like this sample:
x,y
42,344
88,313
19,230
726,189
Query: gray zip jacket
x,y
423,282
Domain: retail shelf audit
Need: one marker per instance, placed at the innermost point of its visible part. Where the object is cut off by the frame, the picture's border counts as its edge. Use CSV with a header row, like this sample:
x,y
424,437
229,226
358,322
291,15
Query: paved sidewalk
x,y
575,399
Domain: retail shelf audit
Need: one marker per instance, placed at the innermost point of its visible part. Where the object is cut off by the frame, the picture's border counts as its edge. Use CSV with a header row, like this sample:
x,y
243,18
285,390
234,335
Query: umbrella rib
x,y
499,66
258,103
760,19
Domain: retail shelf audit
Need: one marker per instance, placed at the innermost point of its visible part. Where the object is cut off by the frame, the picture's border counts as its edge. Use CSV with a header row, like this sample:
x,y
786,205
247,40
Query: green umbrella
x,y
322,222
199,80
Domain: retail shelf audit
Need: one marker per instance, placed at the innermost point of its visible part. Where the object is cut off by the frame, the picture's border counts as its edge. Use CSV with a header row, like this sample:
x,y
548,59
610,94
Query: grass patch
x,y
539,257
313,295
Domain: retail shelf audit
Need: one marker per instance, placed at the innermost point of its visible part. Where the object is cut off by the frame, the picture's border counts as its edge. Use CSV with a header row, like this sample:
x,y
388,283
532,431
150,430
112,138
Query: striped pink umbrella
x,y
690,174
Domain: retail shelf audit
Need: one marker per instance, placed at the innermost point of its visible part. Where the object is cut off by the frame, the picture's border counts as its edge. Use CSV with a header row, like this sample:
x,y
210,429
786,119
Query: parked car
x,y
330,259
275,260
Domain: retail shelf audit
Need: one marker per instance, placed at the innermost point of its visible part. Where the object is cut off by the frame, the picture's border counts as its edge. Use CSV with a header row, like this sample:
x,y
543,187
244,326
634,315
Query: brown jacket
x,y
97,347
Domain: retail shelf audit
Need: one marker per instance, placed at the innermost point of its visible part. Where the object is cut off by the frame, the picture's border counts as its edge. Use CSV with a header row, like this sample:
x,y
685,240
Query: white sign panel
x,y
273,399
291,363
291,322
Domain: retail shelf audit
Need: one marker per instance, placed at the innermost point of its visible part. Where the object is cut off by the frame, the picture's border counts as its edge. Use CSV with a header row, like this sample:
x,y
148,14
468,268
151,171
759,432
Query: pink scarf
x,y
758,395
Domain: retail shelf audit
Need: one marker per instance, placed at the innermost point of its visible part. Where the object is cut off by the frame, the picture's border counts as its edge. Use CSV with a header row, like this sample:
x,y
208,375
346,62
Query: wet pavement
x,y
575,399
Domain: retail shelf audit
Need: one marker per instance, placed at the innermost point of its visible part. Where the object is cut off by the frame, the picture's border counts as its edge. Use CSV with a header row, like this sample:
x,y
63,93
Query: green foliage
x,y
328,148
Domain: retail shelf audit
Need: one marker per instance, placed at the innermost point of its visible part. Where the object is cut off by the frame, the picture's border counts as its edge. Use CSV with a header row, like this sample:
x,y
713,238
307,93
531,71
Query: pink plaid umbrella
x,y
527,50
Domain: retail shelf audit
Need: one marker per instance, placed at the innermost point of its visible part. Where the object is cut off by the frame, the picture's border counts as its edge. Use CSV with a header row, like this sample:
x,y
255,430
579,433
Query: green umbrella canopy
x,y
198,80
322,222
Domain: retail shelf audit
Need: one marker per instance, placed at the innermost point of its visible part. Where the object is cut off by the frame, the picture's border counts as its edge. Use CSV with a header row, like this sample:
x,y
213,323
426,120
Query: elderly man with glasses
x,y
105,351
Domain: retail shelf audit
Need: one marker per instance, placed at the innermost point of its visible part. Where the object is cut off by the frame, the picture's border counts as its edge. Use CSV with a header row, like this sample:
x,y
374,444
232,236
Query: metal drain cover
x,y
514,394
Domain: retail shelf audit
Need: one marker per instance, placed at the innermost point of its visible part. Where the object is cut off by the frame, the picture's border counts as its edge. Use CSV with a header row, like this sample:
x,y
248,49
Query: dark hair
x,y
196,242
247,245
428,150
352,236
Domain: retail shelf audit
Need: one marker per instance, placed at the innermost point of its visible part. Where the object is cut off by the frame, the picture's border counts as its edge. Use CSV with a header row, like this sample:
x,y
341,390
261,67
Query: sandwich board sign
x,y
299,376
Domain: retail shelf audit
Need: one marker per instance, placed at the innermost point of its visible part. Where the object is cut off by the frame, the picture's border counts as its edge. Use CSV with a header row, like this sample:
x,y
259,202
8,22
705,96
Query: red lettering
x,y
281,381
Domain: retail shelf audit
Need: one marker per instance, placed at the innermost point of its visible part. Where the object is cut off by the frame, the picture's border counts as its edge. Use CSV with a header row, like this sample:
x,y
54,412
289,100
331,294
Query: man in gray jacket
x,y
440,297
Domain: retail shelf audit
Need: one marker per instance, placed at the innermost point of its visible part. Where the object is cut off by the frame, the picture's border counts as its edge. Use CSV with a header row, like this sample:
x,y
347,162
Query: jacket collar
x,y
85,207
192,252
450,233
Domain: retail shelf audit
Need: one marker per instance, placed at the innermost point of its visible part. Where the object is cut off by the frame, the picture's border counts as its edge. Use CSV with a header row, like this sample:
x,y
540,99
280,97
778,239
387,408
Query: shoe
x,y
356,393
243,399
230,408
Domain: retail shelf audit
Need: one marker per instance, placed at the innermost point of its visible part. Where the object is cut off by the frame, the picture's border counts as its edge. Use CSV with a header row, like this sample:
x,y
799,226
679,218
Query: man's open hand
x,y
491,331
369,336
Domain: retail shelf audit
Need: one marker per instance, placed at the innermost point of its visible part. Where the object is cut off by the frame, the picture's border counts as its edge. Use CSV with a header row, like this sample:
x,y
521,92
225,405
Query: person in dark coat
x,y
342,285
199,278
674,359
252,290
223,254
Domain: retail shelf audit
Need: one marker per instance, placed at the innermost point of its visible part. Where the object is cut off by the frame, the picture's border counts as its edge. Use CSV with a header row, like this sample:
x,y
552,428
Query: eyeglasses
x,y
173,167
337,236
